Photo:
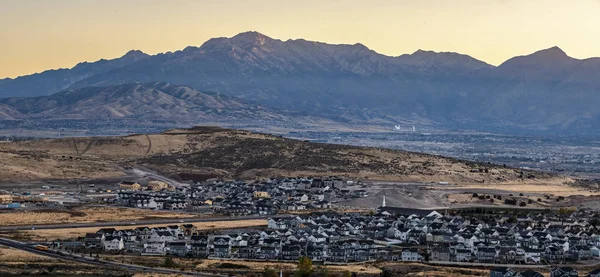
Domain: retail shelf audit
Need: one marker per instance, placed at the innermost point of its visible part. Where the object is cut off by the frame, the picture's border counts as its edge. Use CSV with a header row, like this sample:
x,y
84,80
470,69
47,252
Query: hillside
x,y
204,152
352,84
158,100
51,81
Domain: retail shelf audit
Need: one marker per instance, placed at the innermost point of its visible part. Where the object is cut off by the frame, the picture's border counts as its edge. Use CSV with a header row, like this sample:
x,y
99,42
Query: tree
x,y
347,274
269,272
386,273
564,212
595,222
169,262
322,271
304,267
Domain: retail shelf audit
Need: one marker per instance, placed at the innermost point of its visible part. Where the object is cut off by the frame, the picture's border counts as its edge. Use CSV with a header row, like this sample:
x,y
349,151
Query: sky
x,y
37,35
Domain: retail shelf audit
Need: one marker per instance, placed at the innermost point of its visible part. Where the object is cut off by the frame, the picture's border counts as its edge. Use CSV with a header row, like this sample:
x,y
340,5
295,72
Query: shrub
x,y
232,266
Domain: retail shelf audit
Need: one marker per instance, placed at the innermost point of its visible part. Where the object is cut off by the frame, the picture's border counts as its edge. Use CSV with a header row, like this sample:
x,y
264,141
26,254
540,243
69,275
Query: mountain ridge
x,y
158,100
545,90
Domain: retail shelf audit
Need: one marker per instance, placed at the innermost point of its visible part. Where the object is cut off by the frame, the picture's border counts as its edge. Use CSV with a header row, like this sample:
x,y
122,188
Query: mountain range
x,y
150,101
543,91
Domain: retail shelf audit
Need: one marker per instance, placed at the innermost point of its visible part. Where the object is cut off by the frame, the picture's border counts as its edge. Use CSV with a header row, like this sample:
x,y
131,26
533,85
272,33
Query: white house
x,y
113,244
162,236
154,248
411,255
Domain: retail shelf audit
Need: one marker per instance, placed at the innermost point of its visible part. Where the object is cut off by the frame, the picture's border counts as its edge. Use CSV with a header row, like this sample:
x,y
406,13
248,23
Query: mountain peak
x,y
552,57
135,54
252,37
421,52
428,58
552,52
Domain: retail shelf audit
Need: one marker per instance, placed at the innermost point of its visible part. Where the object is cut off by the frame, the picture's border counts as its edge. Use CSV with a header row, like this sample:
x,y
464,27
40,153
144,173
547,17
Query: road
x,y
131,223
92,261
145,173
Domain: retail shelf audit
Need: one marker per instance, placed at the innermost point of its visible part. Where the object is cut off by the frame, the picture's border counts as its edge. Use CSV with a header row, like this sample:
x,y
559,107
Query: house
x,y
199,250
280,223
113,244
245,253
315,253
268,253
533,255
564,272
337,255
129,186
440,254
94,240
554,255
222,251
290,252
178,248
261,194
464,255
188,229
502,272
486,255
411,254
6,199
154,249
578,253
157,185
162,236
143,233
529,273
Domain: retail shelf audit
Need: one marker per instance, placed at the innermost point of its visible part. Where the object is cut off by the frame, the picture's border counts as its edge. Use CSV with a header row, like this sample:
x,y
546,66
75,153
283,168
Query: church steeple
x,y
383,202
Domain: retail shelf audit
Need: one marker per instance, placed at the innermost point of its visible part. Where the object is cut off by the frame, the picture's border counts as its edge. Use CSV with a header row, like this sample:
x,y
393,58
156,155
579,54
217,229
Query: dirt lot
x,y
83,215
555,187
55,234
435,195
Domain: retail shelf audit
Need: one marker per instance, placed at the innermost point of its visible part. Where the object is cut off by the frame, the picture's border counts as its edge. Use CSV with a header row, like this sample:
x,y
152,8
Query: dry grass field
x,y
20,263
55,234
10,255
422,270
260,266
83,215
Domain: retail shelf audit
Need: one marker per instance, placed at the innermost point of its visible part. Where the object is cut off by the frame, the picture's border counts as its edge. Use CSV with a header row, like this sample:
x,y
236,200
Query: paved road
x,y
525,266
155,176
102,263
132,223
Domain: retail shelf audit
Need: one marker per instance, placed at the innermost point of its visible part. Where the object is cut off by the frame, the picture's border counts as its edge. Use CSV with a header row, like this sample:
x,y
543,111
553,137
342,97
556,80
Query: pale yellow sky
x,y
46,34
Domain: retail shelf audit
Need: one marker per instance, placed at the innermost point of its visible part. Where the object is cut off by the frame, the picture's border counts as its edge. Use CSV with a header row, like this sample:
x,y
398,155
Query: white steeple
x,y
383,202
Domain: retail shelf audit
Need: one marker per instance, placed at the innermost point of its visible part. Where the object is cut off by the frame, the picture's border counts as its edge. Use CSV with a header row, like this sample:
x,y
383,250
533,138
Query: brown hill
x,y
150,101
204,152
